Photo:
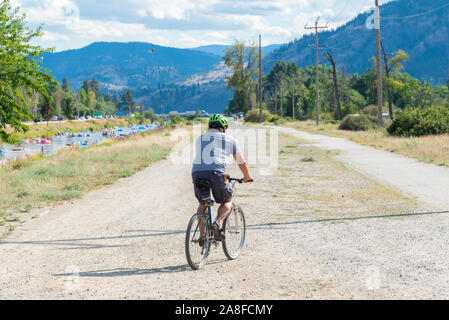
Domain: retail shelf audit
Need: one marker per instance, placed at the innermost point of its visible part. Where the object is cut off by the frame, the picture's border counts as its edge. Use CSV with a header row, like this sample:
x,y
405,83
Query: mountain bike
x,y
234,226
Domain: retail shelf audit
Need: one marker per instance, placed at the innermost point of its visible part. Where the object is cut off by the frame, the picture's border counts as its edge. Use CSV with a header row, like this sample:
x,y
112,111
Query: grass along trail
x,y
37,182
428,149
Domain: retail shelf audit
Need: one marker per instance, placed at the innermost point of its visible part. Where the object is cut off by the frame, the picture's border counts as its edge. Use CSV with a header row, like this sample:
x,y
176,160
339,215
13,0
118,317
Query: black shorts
x,y
221,190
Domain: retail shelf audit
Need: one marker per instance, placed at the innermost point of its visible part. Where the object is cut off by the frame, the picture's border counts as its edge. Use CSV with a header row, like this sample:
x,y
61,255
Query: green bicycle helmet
x,y
218,119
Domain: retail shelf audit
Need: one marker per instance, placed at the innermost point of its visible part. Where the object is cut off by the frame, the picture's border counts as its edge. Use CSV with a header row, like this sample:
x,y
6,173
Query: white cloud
x,y
181,23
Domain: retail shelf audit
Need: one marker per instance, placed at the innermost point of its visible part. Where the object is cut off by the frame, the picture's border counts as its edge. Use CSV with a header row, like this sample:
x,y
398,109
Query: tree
x,y
65,85
83,99
47,108
392,66
58,100
20,69
95,87
116,101
92,101
149,114
242,61
68,106
334,75
128,100
86,85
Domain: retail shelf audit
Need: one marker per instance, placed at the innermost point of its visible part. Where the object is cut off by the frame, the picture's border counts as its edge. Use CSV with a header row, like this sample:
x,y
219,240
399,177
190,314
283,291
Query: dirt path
x,y
316,229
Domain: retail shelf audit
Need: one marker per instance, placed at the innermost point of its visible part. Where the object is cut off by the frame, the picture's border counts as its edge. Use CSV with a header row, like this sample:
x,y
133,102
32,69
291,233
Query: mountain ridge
x,y
128,64
219,49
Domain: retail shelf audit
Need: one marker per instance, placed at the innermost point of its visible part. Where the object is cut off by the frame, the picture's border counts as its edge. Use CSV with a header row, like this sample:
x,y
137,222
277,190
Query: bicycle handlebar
x,y
238,180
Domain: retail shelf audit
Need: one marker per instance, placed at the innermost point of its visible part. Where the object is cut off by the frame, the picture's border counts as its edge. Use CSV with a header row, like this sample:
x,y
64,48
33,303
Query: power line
x,y
341,11
417,14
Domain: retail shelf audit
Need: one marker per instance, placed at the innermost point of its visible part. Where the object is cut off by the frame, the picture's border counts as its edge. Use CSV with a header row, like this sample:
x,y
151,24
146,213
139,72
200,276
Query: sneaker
x,y
218,233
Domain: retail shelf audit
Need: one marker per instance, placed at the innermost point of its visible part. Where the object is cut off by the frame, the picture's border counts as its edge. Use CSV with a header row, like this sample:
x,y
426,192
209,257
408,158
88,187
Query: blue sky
x,y
72,24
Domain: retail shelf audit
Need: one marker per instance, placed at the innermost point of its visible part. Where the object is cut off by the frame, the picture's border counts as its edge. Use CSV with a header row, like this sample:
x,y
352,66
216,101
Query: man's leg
x,y
223,210
200,210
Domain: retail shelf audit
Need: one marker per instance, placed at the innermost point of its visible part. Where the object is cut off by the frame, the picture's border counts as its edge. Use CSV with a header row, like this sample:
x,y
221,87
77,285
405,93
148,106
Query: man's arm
x,y
243,166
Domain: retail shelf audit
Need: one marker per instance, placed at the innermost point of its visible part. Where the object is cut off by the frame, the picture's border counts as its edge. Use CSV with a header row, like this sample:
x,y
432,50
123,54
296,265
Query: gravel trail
x,y
126,241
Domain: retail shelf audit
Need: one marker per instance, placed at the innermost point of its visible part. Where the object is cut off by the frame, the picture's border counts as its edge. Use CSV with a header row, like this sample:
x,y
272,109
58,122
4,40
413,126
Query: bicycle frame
x,y
209,205
208,221
208,238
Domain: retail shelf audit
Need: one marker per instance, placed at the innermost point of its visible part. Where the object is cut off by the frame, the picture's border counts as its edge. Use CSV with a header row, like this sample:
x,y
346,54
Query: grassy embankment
x,y
37,182
428,149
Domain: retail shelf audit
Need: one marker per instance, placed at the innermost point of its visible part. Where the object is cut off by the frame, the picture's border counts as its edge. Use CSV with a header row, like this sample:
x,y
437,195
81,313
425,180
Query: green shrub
x,y
175,119
358,123
371,110
420,122
327,116
349,108
253,116
275,118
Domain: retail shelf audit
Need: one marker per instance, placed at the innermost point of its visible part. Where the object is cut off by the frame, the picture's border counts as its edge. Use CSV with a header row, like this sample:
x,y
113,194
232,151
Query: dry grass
x,y
429,149
29,183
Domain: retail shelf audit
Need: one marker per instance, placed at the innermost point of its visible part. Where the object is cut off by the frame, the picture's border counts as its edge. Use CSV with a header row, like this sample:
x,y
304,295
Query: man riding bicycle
x,y
213,148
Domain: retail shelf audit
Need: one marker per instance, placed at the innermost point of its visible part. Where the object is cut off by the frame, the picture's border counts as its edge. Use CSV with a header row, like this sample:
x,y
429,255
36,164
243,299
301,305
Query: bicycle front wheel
x,y
234,228
197,248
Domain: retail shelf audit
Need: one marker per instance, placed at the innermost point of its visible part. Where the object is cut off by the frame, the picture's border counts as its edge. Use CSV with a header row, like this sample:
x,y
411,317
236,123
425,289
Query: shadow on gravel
x,y
126,272
75,245
265,225
72,246
123,272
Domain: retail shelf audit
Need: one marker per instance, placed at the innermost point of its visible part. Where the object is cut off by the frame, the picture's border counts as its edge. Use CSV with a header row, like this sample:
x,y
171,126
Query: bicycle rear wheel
x,y
196,252
234,228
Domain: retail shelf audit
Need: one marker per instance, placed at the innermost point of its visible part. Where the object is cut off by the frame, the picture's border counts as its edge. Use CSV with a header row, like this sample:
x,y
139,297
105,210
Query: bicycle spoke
x,y
197,248
234,233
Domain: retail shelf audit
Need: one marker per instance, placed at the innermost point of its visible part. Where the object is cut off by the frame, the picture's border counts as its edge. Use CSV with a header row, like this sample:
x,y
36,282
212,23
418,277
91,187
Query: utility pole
x,y
317,90
343,84
260,79
293,99
337,94
276,103
387,71
282,98
379,73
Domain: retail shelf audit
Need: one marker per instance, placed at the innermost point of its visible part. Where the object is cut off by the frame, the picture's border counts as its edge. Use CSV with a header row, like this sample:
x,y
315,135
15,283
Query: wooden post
x,y
260,79
293,99
317,89
379,73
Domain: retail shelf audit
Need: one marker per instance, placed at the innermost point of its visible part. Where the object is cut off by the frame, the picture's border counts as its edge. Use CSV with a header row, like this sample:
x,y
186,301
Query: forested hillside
x,y
134,64
419,27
